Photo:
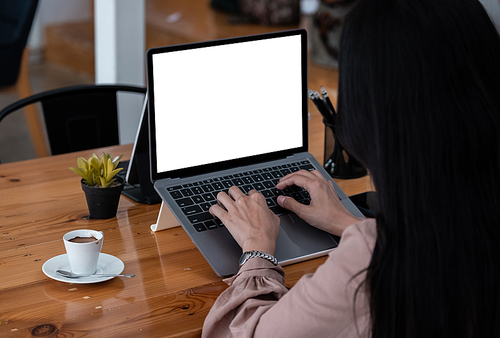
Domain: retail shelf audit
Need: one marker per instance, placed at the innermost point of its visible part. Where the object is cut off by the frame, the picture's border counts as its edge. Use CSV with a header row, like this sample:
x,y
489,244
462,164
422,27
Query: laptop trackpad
x,y
296,241
297,238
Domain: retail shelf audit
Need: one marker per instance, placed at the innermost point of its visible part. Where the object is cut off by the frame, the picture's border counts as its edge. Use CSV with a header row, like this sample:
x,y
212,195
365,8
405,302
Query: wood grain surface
x,y
174,287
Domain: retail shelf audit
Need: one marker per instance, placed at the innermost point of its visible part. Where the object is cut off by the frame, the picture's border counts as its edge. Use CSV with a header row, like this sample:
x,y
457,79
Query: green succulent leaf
x,y
98,171
112,174
95,162
82,163
105,183
116,161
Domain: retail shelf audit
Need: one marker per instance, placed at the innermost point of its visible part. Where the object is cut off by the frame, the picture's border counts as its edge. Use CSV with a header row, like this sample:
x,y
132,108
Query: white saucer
x,y
106,264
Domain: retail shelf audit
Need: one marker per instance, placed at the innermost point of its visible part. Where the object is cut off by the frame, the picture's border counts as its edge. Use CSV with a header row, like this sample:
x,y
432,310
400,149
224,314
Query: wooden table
x,y
174,287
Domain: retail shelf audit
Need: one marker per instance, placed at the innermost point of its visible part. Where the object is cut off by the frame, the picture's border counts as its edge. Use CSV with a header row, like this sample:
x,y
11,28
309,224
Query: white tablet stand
x,y
165,219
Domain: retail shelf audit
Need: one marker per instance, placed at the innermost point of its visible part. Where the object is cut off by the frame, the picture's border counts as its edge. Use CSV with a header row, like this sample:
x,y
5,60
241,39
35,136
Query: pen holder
x,y
337,162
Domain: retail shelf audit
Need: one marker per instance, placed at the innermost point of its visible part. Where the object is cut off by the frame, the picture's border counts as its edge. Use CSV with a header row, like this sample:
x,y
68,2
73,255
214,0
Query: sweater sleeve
x,y
331,302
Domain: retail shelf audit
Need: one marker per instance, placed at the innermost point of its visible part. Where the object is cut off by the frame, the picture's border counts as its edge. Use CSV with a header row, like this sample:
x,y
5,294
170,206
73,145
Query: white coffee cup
x,y
83,257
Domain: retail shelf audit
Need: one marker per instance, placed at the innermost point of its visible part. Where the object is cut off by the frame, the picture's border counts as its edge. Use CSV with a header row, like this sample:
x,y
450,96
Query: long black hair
x,y
419,106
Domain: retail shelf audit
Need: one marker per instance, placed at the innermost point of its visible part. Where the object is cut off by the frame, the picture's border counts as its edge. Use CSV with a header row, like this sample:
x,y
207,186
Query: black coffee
x,y
79,239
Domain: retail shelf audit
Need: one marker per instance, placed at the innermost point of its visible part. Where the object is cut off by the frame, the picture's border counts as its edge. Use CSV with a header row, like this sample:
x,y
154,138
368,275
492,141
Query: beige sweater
x,y
257,304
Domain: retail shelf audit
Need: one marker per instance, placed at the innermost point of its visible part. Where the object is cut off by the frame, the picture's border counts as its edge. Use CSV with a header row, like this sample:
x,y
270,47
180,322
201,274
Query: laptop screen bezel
x,y
206,168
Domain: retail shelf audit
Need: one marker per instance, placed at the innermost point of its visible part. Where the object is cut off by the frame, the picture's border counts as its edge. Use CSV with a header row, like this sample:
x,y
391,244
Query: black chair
x,y
78,117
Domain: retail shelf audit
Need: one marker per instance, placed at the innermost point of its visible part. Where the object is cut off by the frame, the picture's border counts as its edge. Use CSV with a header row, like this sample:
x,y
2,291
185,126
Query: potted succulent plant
x,y
102,189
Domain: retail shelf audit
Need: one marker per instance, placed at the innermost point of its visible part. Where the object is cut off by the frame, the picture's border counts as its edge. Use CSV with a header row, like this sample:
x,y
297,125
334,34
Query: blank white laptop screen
x,y
225,102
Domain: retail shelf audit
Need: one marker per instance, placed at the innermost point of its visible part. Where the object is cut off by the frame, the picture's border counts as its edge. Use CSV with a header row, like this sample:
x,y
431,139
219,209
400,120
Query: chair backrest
x,y
16,18
78,117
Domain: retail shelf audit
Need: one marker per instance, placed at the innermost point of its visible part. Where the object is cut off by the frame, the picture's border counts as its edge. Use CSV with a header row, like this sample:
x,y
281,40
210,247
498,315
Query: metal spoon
x,y
70,274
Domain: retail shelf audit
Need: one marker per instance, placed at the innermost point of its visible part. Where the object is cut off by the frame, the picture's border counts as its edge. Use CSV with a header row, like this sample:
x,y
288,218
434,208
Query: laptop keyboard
x,y
195,199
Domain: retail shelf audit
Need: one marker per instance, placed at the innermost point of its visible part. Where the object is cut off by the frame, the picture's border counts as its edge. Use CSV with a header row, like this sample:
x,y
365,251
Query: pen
x,y
321,106
328,103
330,115
327,100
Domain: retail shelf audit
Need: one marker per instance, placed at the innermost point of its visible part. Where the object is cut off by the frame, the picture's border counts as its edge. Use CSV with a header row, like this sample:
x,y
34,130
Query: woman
x,y
419,106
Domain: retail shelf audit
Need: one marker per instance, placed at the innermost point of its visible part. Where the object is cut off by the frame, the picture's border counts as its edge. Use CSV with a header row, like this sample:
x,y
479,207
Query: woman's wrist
x,y
341,223
347,221
256,254
263,245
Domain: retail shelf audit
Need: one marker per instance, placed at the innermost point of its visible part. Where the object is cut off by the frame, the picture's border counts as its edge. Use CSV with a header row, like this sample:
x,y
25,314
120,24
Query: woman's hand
x,y
248,219
325,211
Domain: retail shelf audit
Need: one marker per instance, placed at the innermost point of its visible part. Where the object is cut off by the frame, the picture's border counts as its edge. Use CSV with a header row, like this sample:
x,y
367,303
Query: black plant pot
x,y
103,202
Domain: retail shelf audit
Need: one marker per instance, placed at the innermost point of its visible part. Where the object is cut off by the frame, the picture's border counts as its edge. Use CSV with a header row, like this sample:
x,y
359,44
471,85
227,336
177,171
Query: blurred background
x,y
104,41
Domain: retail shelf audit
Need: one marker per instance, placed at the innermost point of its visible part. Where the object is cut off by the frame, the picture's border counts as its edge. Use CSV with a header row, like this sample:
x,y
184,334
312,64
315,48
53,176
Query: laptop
x,y
233,112
136,173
